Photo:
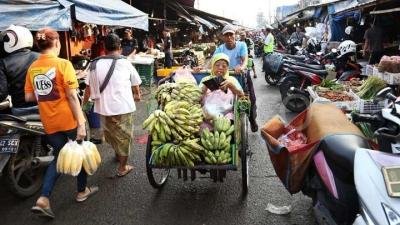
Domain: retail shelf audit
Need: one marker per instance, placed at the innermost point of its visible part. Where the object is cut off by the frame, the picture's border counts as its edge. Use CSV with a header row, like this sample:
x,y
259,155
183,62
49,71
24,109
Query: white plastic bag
x,y
91,157
183,75
217,103
70,159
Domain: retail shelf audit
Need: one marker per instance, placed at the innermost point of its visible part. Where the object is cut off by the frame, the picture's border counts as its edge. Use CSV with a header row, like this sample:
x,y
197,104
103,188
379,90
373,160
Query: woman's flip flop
x,y
92,190
43,212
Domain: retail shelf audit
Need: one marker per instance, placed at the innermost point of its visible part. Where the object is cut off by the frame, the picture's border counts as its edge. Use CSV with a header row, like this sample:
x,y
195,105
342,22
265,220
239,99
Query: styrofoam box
x,y
345,105
392,78
377,73
369,70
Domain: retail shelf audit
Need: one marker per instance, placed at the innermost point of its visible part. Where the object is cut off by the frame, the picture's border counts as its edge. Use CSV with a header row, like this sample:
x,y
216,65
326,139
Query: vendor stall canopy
x,y
59,14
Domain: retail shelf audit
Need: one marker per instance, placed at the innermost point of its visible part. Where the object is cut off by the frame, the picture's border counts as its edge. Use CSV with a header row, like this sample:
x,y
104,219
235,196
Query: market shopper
x,y
113,85
167,41
237,53
373,44
129,44
18,42
51,81
251,67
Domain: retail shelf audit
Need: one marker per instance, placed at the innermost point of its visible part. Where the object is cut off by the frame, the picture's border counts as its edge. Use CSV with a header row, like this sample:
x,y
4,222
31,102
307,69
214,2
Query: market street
x,y
132,200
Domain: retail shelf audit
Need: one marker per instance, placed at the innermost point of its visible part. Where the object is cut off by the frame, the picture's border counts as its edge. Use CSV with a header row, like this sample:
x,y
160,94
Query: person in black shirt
x,y
17,42
129,44
167,41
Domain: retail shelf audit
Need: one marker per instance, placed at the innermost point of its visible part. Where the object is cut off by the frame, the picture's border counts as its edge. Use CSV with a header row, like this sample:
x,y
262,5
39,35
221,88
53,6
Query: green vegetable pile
x,y
371,87
331,84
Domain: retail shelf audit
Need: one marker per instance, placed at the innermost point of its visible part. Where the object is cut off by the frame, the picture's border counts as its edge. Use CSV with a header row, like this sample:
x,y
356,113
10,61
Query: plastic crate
x,y
146,73
369,107
392,78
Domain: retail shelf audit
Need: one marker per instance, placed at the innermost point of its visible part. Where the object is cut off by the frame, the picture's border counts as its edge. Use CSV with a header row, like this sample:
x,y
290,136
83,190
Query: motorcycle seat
x,y
340,149
322,73
296,57
311,66
31,117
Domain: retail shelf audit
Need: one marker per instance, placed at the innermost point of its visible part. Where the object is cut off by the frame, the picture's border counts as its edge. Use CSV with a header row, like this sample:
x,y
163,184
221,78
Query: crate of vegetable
x,y
345,100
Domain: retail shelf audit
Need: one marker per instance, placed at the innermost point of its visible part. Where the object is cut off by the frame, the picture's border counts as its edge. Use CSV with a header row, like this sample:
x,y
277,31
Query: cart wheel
x,y
157,177
243,151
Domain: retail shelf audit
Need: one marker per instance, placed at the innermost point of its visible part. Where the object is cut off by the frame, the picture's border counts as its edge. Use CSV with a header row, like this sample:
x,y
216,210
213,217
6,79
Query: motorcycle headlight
x,y
392,216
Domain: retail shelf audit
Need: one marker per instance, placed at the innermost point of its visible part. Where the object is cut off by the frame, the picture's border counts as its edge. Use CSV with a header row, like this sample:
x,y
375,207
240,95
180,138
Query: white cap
x,y
229,29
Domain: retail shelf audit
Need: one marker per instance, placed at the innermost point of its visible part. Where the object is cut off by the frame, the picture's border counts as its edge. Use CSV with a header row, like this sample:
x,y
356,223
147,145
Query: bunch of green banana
x,y
186,154
163,93
219,157
187,92
223,124
215,141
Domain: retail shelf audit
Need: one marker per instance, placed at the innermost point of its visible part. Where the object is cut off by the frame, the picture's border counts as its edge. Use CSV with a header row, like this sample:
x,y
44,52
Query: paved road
x,y
131,200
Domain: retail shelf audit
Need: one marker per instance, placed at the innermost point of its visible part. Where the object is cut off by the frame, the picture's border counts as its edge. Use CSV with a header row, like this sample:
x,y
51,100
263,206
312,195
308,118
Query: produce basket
x,y
369,107
344,105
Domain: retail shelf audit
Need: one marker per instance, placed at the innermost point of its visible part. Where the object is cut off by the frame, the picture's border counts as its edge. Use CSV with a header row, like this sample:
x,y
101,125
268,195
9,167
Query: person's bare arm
x,y
136,93
73,102
30,97
240,68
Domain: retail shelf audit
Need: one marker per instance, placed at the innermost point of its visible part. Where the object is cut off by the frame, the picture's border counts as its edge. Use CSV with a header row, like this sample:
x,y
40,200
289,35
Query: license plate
x,y
9,144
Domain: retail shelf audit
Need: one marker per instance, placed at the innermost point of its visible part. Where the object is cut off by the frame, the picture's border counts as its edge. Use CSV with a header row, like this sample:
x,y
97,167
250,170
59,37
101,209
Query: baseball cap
x,y
127,30
228,29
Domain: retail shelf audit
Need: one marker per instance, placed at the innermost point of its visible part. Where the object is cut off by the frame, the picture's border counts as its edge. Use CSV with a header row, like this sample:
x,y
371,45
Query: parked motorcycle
x,y
24,154
385,123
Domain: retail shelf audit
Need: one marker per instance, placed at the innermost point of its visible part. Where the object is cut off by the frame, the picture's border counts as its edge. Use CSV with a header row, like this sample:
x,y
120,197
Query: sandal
x,y
43,212
92,190
128,170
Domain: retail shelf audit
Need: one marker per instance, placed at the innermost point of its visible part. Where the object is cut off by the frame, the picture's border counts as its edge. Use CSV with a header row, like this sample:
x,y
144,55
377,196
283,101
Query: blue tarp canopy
x,y
59,14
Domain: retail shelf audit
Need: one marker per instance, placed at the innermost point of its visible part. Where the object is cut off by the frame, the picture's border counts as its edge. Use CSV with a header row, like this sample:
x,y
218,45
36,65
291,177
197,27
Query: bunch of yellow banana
x,y
179,120
187,92
91,157
218,157
223,124
70,159
186,154
159,125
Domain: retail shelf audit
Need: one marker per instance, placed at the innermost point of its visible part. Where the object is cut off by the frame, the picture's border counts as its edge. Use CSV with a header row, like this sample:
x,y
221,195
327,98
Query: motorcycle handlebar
x,y
356,117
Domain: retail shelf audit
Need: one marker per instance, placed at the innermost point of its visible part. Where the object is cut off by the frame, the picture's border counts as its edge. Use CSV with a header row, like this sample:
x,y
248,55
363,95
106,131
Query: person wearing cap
x,y
248,41
238,57
129,44
269,41
115,102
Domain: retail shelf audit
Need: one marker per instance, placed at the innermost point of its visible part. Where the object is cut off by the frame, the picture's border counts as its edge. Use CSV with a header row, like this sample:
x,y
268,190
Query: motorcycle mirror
x,y
333,50
384,94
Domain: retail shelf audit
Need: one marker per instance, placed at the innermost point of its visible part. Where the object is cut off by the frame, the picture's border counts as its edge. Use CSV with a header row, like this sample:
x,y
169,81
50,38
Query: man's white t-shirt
x,y
117,97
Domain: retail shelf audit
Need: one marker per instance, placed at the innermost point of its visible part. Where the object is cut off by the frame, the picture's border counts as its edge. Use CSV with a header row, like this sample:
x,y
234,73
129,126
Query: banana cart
x,y
158,175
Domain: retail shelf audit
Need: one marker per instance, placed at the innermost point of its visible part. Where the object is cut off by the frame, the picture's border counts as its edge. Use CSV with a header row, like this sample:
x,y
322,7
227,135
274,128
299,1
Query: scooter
x,y
24,154
373,198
